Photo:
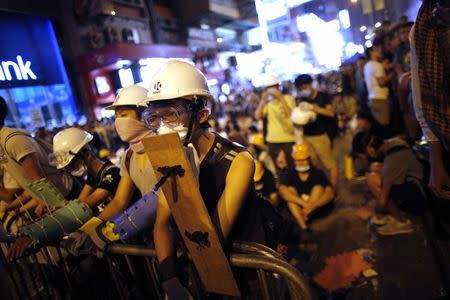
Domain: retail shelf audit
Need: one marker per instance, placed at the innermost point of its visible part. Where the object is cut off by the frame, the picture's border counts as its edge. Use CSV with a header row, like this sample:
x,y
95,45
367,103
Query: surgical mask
x,y
178,128
80,171
305,93
132,131
302,169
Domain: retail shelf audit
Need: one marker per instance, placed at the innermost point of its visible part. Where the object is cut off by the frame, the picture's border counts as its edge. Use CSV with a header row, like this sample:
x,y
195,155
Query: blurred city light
x,y
362,28
367,36
368,43
344,17
377,24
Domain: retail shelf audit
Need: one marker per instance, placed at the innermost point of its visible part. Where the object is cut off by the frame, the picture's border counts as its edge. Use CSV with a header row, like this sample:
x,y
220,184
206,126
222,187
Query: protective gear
x,y
259,171
103,153
66,144
91,224
80,171
302,117
80,242
53,227
300,152
257,140
178,79
303,169
271,80
132,131
138,217
130,96
305,93
180,129
46,190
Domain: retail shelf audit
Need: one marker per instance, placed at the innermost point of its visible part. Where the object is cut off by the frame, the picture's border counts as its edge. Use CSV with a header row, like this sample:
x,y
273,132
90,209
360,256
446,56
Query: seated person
x,y
399,185
306,188
265,184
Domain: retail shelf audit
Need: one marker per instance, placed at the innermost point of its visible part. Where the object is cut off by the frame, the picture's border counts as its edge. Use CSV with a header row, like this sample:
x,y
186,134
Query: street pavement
x,y
405,263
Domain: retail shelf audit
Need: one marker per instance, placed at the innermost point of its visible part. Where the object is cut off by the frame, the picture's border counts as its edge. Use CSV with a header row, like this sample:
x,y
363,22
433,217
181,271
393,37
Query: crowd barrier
x,y
50,273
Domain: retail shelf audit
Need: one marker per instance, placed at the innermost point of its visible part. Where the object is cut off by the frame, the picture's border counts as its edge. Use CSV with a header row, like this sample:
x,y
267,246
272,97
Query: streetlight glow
x,y
377,24
362,28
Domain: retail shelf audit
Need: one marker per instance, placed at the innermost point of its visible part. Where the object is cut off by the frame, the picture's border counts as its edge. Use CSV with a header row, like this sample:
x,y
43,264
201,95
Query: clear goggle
x,y
60,158
153,117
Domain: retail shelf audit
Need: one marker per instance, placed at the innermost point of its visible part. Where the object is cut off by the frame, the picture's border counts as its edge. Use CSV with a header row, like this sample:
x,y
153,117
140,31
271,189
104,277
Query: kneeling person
x,y
306,188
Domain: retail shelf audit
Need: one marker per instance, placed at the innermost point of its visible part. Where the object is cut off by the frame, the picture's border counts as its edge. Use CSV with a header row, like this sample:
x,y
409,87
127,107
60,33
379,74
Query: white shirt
x,y
372,70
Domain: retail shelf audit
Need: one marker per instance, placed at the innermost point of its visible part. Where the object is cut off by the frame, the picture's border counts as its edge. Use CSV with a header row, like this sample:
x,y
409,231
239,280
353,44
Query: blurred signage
x,y
30,54
225,7
368,6
201,38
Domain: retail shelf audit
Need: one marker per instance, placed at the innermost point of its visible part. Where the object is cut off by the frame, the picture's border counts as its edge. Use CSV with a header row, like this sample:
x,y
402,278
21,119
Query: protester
x,y
277,108
315,133
306,189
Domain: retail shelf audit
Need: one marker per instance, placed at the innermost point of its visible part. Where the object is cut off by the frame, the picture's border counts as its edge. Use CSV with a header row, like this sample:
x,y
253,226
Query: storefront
x,y
33,79
108,69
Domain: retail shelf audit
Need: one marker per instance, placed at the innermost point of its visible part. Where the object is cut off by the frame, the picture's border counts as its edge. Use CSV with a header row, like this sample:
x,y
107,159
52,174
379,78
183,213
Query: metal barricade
x,y
32,277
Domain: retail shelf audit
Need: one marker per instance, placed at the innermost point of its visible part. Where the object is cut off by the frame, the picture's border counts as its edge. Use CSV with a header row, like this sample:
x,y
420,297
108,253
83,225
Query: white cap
x,y
66,144
133,95
178,79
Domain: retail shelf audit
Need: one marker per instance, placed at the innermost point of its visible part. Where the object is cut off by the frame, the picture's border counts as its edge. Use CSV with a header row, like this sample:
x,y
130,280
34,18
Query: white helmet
x,y
271,80
133,95
66,144
302,117
178,79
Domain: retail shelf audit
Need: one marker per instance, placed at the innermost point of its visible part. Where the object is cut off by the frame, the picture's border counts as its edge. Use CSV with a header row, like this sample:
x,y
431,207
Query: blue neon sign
x,y
29,54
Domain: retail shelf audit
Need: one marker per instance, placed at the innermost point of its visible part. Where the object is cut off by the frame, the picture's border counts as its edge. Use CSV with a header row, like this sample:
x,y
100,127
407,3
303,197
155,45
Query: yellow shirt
x,y
279,125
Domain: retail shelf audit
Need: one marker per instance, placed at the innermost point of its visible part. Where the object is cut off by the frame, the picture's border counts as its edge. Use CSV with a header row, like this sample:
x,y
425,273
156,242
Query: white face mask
x,y
81,171
303,169
179,128
305,93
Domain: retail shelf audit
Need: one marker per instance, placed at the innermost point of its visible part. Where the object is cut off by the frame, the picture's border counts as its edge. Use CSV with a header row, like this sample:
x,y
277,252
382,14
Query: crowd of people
x,y
267,146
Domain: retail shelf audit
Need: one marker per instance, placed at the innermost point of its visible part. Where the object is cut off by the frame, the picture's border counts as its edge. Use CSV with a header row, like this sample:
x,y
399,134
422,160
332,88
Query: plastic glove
x,y
80,242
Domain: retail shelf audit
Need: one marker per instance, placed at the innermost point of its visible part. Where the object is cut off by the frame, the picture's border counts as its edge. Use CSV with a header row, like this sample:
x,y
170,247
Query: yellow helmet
x,y
257,140
300,152
259,171
103,153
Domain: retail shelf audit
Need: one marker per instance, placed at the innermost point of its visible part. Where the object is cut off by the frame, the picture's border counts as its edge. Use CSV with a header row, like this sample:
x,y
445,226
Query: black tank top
x,y
212,178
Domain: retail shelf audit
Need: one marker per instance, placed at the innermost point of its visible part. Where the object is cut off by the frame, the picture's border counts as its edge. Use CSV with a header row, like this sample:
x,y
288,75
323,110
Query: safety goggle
x,y
153,117
61,158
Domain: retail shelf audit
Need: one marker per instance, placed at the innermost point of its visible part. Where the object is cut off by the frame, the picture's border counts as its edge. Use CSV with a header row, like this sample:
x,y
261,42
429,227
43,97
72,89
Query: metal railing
x,y
30,277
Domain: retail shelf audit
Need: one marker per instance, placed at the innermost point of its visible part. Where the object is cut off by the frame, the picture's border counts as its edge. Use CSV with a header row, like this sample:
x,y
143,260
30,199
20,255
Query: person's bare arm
x,y
8,194
121,199
289,194
326,111
326,197
260,110
287,109
238,182
32,166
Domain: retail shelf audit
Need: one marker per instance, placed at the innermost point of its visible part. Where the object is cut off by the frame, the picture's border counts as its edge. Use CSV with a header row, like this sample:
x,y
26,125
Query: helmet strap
x,y
190,128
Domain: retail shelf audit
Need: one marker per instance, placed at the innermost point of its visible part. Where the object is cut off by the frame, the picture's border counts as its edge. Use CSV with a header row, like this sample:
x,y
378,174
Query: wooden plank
x,y
191,215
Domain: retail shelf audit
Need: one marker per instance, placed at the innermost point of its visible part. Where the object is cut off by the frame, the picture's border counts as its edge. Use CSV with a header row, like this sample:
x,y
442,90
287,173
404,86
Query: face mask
x,y
132,131
81,171
179,128
303,169
305,93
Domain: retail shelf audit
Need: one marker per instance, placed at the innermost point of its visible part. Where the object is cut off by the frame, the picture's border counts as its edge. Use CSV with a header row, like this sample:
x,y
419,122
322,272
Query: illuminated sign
x,y
30,54
21,70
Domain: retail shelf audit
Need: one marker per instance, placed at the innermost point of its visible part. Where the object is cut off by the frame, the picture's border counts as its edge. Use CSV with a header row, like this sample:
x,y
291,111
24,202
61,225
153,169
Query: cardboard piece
x,y
191,215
